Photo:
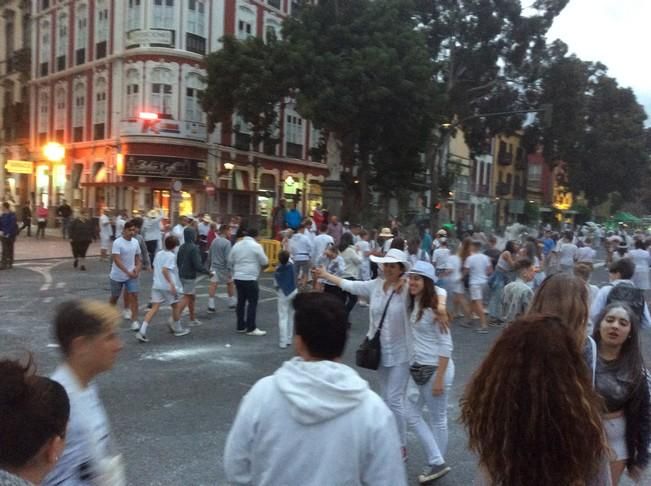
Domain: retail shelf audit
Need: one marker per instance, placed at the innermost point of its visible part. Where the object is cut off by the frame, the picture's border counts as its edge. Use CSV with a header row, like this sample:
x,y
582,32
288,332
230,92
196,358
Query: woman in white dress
x,y
642,259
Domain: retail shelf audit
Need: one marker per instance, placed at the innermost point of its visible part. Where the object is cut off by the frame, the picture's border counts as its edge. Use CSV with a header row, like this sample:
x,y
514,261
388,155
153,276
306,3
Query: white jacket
x,y
313,423
246,259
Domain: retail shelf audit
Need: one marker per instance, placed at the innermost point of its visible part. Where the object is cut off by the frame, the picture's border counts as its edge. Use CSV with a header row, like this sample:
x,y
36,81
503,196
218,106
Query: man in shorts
x,y
188,259
478,267
125,269
165,290
218,264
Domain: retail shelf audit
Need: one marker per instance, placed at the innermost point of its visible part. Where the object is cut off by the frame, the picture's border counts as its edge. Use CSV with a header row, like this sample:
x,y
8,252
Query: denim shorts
x,y
132,286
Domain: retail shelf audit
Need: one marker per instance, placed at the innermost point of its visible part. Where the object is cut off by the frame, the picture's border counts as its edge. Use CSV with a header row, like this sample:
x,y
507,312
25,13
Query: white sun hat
x,y
423,269
393,256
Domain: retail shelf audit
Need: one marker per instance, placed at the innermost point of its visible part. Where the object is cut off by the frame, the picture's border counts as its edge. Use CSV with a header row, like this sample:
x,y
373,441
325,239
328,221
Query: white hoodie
x,y
313,423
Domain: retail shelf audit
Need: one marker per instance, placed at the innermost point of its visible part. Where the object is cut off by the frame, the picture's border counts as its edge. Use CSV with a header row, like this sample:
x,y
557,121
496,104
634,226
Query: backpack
x,y
627,293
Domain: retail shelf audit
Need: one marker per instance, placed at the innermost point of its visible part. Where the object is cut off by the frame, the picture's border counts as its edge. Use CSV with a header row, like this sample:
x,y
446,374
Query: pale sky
x,y
615,32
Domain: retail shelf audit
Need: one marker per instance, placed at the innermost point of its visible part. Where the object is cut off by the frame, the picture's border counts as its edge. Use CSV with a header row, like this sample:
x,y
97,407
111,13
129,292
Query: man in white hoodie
x,y
315,421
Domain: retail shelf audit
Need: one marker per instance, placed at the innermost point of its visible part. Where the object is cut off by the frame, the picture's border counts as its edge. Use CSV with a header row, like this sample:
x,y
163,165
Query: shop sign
x,y
167,167
19,166
161,37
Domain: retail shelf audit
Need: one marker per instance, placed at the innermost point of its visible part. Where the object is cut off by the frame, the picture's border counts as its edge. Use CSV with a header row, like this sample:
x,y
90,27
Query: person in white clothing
x,y
642,260
285,282
104,233
151,232
87,332
247,259
120,221
363,247
567,252
125,269
431,367
585,253
387,299
285,420
301,250
321,242
478,267
179,228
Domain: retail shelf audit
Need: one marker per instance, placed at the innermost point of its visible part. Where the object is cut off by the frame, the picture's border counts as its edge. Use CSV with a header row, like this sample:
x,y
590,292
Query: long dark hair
x,y
428,299
637,409
510,247
345,241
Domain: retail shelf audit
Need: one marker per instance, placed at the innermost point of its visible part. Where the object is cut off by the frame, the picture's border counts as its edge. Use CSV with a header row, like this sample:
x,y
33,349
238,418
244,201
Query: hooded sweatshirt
x,y
188,259
313,423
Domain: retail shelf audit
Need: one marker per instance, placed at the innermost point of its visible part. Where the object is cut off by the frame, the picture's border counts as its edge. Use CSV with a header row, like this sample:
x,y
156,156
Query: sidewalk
x,y
52,246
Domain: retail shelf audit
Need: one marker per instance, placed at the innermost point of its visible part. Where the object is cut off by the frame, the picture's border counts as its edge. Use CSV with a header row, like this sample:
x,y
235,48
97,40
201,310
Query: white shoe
x,y
180,331
232,302
126,314
141,337
257,332
135,326
195,323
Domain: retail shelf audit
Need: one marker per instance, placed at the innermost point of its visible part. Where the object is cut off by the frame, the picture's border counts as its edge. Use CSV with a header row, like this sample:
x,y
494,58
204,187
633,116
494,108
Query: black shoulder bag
x,y
369,352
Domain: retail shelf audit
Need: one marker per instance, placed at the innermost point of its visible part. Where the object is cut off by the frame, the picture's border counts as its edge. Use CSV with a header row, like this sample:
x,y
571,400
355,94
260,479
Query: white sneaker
x,y
257,332
232,302
180,331
195,323
126,313
141,337
135,326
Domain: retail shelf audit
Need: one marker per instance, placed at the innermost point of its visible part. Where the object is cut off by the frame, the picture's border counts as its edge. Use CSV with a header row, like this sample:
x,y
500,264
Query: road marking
x,y
60,285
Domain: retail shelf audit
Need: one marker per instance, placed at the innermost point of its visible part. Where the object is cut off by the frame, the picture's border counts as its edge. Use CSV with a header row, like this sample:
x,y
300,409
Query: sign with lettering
x,y
167,167
19,166
150,37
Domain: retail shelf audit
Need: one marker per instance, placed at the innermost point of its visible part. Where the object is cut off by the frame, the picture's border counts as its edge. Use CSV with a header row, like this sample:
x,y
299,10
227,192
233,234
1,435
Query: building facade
x,y
118,83
509,179
16,168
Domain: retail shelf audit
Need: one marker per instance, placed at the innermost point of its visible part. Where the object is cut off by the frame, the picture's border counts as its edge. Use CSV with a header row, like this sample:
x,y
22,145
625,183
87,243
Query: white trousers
x,y
393,387
432,429
285,318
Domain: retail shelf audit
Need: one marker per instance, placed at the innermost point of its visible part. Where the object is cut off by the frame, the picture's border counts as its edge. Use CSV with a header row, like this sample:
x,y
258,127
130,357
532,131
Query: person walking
x,y
34,414
247,259
301,249
507,415
311,400
518,294
335,229
151,232
478,268
567,252
431,367
26,218
8,232
81,232
64,212
165,289
622,383
125,269
88,334
188,260
387,297
41,220
278,219
352,266
333,263
105,233
642,260
218,265
585,253
503,274
285,280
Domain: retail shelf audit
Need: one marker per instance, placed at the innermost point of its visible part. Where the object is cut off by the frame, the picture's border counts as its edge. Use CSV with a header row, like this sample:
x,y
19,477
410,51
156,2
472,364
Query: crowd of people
x,y
561,398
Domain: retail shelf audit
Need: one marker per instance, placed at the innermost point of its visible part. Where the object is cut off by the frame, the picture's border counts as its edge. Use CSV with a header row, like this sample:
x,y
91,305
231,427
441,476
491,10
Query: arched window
x,y
81,39
62,41
193,90
161,91
60,109
245,23
99,110
79,113
133,106
101,28
43,111
45,48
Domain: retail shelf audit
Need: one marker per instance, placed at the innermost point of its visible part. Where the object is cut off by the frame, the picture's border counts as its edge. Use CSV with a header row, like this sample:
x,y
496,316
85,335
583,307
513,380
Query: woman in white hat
x,y
431,367
386,296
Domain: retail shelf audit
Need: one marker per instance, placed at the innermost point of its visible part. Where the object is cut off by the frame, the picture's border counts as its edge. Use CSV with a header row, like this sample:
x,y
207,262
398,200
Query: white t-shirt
x,y
178,232
320,243
585,254
165,259
104,226
567,252
127,250
478,265
440,258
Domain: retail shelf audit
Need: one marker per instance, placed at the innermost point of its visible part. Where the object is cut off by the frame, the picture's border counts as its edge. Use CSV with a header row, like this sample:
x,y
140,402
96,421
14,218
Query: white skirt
x,y
615,429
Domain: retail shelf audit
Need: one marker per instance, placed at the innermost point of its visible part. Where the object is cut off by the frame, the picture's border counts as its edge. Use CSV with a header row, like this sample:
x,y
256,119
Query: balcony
x,y
505,158
165,126
502,189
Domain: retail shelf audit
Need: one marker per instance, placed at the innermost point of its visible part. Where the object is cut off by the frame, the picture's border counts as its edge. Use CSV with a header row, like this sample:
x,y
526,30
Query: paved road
x,y
171,402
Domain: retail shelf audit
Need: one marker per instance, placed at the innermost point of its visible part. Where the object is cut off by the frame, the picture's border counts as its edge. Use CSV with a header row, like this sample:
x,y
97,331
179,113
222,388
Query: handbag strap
x,y
384,313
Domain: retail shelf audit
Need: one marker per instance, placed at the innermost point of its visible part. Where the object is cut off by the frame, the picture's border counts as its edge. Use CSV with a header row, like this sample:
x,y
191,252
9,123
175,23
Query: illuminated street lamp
x,y
146,115
54,152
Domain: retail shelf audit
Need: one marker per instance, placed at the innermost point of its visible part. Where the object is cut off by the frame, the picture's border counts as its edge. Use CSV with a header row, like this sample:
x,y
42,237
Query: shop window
x,y
185,204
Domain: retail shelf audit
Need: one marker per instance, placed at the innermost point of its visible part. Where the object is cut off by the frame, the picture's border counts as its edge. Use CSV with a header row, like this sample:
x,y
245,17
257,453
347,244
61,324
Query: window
x,y
43,112
245,23
134,15
193,111
101,29
45,4
163,14
99,112
62,41
197,17
60,109
81,40
274,3
294,135
195,43
133,93
9,39
272,28
161,91
79,112
45,48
